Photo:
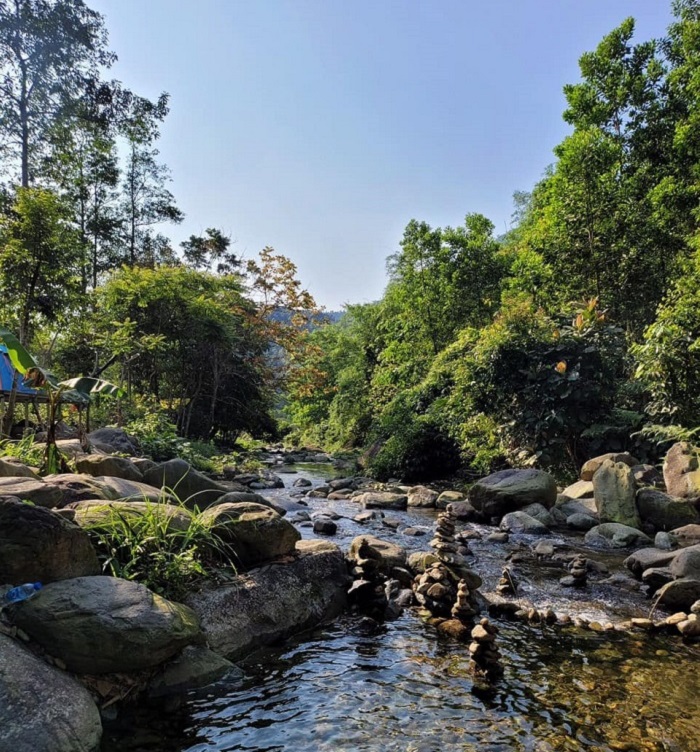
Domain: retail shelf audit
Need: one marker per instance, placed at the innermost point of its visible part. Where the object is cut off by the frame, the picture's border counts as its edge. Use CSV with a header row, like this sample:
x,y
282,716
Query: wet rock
x,y
540,513
114,467
383,500
387,555
325,526
461,510
419,561
679,594
421,496
449,497
590,468
615,535
615,490
656,577
689,628
195,667
663,512
454,629
507,585
189,485
511,490
302,483
498,538
544,550
363,517
391,522
413,531
43,709
646,558
581,522
686,562
520,522
682,471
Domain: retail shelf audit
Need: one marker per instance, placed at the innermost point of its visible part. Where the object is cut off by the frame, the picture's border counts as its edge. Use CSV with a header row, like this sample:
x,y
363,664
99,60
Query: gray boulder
x,y
582,489
679,595
39,545
98,513
281,506
648,476
615,489
117,438
115,467
519,522
382,500
615,535
273,602
43,709
591,467
646,558
324,526
143,464
189,485
687,534
387,555
663,512
511,490
581,522
195,667
422,496
11,468
39,492
255,533
656,577
682,471
462,510
540,513
449,497
121,489
71,487
99,625
686,563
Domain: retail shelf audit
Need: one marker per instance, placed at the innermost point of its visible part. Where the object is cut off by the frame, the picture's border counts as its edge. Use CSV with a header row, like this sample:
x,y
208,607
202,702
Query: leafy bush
x,y
26,451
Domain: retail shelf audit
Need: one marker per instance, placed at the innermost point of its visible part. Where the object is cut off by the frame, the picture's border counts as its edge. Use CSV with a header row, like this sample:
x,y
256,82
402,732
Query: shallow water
x,y
408,690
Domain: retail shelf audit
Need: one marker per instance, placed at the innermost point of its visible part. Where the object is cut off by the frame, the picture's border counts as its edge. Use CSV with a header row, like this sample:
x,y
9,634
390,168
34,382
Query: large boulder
x,y
591,467
195,667
281,506
189,485
387,555
98,513
133,490
422,496
682,471
615,535
39,545
679,595
449,497
582,489
647,558
520,522
273,602
686,563
116,438
663,512
71,487
614,490
255,533
11,468
115,467
43,709
99,625
511,490
382,500
39,492
687,534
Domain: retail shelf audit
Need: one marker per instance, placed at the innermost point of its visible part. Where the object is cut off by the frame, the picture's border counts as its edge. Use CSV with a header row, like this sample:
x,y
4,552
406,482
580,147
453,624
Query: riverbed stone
x,y
275,601
115,467
682,471
189,485
117,438
448,497
520,522
98,625
39,492
43,709
665,541
615,535
646,558
648,476
99,513
255,533
511,490
419,561
582,489
581,522
614,490
687,534
663,512
71,487
38,545
422,496
196,666
462,510
387,554
11,468
325,526
686,562
656,577
680,594
540,513
591,467
383,500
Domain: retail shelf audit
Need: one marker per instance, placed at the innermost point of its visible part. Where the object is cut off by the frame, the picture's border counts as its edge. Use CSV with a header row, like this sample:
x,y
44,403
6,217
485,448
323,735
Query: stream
x,y
406,689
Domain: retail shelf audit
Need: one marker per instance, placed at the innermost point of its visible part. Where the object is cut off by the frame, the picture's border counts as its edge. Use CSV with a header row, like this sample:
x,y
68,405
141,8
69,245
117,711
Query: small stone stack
x,y
485,655
444,541
463,610
435,589
366,594
462,541
507,584
577,576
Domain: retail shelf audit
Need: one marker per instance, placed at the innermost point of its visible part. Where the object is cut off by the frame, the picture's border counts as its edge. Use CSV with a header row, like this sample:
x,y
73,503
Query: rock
x,y
614,490
383,500
648,475
37,545
615,535
414,532
449,497
302,483
143,464
72,447
686,562
281,506
663,512
387,555
575,506
189,485
263,606
99,625
497,538
254,532
97,513
117,438
421,496
689,628
646,558
195,667
679,594
70,487
582,522
590,468
656,577
682,471
461,510
687,533
582,489
11,468
43,709
511,490
27,489
121,489
519,522
115,467
419,561
325,526
665,541
540,513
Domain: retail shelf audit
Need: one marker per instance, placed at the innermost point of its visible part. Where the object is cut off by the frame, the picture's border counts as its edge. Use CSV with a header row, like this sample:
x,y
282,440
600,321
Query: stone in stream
x,y
507,584
614,489
509,490
682,471
577,573
483,652
464,610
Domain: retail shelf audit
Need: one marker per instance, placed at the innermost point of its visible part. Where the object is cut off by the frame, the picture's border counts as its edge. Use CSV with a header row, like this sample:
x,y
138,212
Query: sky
x,y
322,127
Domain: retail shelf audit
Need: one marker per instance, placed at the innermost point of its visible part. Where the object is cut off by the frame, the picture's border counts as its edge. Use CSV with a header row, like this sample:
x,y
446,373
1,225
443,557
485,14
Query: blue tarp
x,y
7,374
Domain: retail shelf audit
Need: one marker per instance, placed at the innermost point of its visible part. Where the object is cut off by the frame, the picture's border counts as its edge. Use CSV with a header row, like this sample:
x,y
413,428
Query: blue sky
x,y
321,127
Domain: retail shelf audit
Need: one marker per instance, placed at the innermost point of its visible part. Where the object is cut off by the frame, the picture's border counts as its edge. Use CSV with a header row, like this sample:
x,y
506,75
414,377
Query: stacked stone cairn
x,y
577,573
507,585
444,541
463,609
485,656
367,592
435,589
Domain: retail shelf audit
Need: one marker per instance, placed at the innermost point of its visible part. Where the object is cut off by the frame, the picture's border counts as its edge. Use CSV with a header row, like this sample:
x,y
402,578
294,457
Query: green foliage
x,y
149,549
26,450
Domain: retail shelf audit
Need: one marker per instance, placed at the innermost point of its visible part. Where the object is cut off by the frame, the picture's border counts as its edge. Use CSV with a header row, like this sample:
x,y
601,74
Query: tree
x,y
211,251
50,51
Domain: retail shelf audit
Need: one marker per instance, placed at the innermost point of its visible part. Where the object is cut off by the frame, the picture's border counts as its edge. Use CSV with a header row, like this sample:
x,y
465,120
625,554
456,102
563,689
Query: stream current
x,y
407,690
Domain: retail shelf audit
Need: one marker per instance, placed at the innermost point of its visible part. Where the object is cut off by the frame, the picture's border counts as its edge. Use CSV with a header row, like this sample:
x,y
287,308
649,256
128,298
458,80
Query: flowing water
x,y
407,690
